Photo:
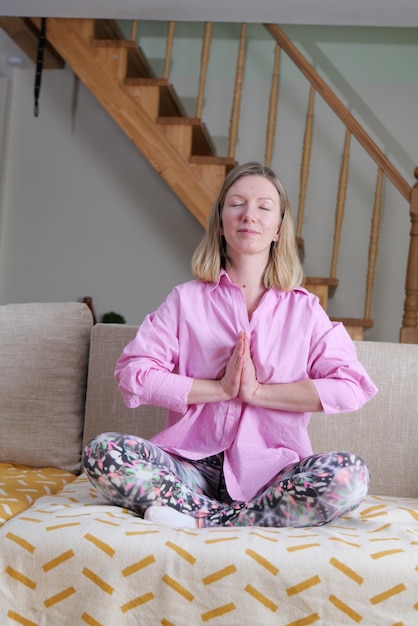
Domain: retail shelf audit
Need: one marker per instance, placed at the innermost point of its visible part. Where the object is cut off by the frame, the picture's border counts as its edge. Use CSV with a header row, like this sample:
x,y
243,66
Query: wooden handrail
x,y
343,113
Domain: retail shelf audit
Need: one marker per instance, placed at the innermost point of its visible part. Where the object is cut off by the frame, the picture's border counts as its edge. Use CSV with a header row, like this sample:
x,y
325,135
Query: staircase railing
x,y
409,330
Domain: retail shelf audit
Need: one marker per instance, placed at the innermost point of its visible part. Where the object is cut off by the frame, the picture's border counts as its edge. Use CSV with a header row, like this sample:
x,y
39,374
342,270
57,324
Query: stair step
x,y
137,64
107,29
321,287
159,96
228,162
355,326
183,129
212,169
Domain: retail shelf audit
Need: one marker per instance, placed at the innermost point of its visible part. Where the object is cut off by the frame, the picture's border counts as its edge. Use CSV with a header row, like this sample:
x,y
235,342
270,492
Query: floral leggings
x,y
134,473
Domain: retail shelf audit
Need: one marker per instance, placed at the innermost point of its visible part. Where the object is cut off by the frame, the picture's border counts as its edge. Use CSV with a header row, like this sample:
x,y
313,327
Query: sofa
x,y
69,558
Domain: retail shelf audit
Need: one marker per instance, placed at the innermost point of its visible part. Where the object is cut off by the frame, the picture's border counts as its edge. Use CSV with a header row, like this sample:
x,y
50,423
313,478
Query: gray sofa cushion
x,y
43,370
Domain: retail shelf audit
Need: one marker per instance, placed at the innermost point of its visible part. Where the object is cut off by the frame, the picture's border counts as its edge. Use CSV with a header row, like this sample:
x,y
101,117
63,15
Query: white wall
x,y
85,214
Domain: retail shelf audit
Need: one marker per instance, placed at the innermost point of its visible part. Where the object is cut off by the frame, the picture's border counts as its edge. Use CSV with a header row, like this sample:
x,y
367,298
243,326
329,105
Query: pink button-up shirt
x,y
192,335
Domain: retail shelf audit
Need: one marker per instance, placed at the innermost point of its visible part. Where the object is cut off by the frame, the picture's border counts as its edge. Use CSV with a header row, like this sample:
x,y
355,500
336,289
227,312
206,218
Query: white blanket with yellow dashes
x,y
73,560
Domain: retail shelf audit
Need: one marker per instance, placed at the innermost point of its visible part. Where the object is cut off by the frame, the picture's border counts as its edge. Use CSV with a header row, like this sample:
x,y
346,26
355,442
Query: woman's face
x,y
251,216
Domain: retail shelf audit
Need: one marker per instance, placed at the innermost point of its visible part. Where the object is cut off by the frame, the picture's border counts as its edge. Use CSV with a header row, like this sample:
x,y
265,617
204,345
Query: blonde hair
x,y
283,270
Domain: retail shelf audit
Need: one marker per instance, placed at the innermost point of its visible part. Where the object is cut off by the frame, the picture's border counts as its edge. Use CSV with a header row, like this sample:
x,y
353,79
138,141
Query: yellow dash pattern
x,y
305,621
380,555
20,619
220,610
104,547
134,533
135,567
106,521
302,586
221,539
60,526
59,597
263,562
264,537
177,587
88,619
165,622
184,555
380,529
98,581
350,573
59,560
372,509
21,542
137,602
347,543
372,515
381,597
413,513
344,608
30,519
255,593
213,578
20,577
303,546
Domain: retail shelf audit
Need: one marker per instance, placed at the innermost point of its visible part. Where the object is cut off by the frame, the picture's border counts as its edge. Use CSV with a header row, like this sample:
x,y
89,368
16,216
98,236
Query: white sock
x,y
167,516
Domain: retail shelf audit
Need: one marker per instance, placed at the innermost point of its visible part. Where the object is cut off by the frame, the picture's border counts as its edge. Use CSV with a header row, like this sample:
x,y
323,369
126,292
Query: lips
x,y
247,231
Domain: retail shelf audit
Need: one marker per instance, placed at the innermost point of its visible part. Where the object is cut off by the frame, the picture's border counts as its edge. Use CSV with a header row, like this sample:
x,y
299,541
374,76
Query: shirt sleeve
x,y
145,371
340,379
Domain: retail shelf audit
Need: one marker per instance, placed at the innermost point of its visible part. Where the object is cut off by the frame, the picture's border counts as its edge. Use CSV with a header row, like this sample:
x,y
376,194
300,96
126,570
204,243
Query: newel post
x,y
409,330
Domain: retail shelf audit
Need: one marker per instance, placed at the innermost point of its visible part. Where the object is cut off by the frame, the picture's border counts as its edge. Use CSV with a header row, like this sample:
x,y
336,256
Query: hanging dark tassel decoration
x,y
39,65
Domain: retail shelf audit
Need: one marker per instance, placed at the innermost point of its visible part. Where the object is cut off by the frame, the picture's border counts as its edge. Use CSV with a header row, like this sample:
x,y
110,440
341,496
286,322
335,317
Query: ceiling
x,y
332,12
385,13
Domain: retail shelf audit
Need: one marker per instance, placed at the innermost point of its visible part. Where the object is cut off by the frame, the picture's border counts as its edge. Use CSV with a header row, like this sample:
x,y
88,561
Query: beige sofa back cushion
x,y
105,410
384,432
43,371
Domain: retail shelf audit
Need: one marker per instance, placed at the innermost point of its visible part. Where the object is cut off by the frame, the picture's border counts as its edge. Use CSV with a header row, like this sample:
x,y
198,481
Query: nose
x,y
249,214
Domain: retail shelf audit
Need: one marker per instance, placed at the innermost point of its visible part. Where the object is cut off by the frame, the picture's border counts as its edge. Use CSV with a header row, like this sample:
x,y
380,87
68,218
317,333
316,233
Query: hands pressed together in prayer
x,y
239,379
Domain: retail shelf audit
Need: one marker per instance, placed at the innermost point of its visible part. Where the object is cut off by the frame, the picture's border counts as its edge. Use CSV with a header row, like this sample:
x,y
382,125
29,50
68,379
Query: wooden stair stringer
x,y
66,36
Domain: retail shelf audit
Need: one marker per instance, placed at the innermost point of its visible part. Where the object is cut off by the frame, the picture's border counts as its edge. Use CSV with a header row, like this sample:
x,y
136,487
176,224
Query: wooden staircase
x,y
148,110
